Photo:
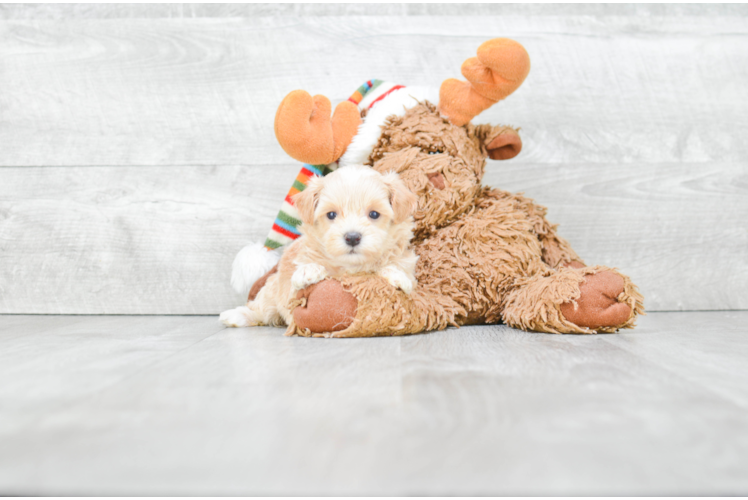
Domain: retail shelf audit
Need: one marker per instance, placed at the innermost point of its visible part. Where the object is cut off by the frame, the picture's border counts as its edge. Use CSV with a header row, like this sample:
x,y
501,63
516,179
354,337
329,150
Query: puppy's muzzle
x,y
352,239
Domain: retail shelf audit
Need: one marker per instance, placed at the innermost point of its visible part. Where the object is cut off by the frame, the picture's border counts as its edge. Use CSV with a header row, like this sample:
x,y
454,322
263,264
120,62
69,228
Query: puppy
x,y
354,220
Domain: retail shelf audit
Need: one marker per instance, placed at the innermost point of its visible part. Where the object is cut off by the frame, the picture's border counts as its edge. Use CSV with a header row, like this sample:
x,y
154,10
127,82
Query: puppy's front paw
x,y
397,278
307,274
237,318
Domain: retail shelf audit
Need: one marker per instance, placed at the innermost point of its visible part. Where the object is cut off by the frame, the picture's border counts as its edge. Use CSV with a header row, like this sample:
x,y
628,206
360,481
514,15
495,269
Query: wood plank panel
x,y
150,11
159,406
130,240
625,89
678,229
633,129
160,240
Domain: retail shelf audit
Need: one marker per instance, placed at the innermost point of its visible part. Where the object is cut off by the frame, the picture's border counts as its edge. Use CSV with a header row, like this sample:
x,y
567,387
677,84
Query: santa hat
x,y
381,100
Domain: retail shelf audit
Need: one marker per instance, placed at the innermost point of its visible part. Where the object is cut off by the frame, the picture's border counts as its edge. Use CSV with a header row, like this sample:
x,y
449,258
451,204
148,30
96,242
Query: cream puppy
x,y
354,220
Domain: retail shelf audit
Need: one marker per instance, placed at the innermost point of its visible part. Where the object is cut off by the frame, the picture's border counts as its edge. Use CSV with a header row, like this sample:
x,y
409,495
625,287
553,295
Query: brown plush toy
x,y
485,255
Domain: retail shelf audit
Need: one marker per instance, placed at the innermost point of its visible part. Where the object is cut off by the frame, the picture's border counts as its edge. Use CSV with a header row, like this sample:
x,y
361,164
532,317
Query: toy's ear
x,y
502,143
404,202
306,132
498,70
306,201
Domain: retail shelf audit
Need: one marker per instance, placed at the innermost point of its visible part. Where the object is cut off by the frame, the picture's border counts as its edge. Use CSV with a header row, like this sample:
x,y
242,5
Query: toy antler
x,y
500,68
305,131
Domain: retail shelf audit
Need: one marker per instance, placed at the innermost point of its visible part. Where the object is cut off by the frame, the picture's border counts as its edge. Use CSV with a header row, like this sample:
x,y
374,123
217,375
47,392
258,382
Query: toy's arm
x,y
555,251
558,252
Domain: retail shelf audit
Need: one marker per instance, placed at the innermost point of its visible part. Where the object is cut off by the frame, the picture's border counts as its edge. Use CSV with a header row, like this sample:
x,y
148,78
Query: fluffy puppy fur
x,y
354,220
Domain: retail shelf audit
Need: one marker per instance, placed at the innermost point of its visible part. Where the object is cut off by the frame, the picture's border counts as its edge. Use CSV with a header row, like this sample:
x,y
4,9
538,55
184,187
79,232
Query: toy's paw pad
x,y
397,278
598,306
328,308
307,274
236,318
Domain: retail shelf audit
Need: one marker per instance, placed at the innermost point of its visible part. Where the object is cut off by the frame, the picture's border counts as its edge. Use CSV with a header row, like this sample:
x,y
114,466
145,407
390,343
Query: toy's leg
x,y
556,251
368,306
569,300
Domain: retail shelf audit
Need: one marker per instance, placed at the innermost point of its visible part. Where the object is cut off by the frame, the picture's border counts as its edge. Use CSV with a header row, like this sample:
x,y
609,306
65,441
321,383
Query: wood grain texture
x,y
130,240
160,240
150,11
138,153
75,357
678,229
170,405
204,91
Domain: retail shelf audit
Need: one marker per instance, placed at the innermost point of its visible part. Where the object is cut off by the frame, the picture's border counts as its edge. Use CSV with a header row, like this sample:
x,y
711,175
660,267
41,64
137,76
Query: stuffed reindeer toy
x,y
484,255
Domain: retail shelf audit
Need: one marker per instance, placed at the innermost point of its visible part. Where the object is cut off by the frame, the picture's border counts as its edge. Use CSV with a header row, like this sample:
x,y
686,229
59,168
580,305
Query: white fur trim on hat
x,y
396,103
250,264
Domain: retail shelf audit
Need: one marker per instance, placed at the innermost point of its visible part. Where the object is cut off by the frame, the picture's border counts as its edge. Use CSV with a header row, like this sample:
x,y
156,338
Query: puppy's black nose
x,y
352,239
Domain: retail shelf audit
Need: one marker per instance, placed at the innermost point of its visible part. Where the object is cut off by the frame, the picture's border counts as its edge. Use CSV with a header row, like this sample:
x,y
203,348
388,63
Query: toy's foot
x,y
598,306
328,308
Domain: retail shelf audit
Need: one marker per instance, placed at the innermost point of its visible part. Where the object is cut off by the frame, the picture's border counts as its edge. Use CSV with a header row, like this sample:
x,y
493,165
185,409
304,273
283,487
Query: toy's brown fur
x,y
485,255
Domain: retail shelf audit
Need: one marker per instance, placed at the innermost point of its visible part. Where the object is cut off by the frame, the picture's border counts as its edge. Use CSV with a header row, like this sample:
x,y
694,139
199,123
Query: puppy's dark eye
x,y
373,214
331,215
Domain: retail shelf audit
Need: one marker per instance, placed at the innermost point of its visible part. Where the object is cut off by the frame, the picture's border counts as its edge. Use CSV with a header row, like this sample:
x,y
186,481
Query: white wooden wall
x,y
137,153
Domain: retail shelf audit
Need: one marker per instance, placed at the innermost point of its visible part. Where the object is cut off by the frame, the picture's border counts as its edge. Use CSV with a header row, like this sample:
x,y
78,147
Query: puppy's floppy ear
x,y
306,201
404,202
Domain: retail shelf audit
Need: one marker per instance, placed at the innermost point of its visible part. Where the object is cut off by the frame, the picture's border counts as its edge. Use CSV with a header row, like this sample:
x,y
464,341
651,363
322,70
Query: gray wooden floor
x,y
172,404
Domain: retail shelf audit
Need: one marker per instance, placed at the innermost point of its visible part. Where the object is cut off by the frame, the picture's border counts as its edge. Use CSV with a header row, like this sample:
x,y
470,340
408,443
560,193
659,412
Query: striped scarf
x,y
286,226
